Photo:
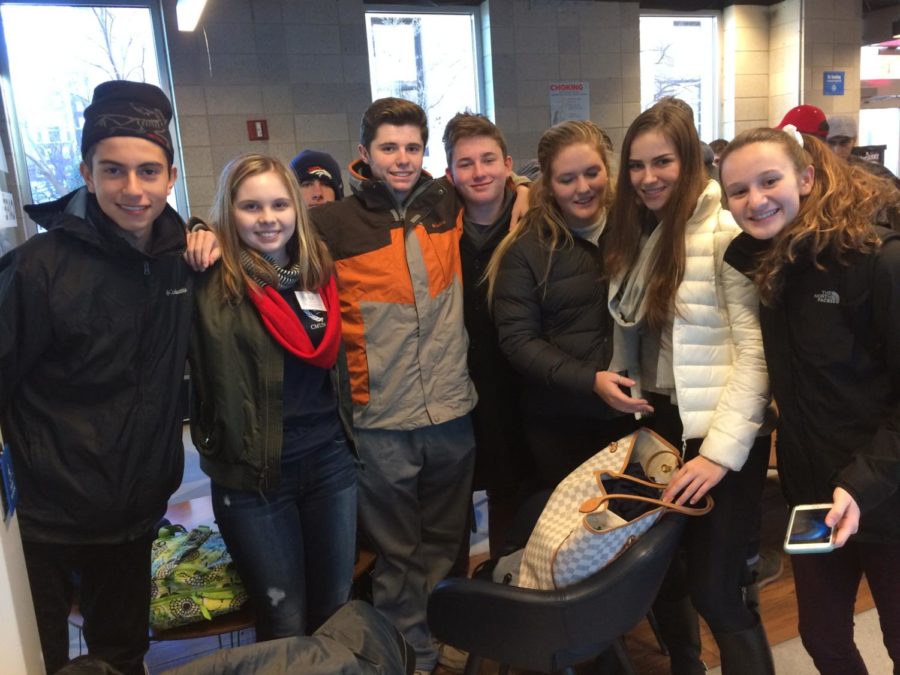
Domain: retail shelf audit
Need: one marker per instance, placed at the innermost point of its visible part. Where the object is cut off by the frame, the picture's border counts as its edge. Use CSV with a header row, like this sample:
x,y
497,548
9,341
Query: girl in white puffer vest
x,y
688,345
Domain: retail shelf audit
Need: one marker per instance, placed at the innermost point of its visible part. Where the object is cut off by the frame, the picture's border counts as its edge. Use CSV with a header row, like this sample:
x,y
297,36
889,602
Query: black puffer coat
x,y
497,418
557,334
93,342
832,344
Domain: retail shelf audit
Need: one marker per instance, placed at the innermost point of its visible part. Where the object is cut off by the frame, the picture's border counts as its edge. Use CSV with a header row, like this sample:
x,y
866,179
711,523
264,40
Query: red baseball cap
x,y
808,119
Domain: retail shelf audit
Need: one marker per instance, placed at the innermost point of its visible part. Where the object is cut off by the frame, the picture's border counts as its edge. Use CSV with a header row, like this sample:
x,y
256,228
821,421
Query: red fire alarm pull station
x,y
258,130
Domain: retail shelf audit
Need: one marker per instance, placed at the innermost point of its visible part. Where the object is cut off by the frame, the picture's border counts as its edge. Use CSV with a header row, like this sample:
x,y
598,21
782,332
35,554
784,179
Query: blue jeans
x,y
294,546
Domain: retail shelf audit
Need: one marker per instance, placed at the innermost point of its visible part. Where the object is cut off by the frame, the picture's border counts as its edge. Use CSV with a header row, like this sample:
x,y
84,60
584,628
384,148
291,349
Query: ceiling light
x,y
188,14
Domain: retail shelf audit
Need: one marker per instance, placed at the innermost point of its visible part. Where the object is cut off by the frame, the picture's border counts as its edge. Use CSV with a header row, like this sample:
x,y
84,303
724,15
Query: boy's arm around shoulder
x,y
25,317
202,245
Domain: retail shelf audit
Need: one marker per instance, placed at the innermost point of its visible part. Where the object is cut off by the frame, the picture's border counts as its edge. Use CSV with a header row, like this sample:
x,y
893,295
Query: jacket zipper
x,y
264,475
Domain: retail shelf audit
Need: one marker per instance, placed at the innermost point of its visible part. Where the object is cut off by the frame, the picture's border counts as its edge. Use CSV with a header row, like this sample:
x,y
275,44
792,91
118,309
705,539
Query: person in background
x,y
717,146
842,136
319,177
270,407
545,283
530,170
709,161
688,344
829,284
94,324
807,119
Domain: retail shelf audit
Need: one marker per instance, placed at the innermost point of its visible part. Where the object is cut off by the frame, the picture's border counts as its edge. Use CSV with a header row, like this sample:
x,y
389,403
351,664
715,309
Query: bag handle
x,y
672,506
595,503
598,475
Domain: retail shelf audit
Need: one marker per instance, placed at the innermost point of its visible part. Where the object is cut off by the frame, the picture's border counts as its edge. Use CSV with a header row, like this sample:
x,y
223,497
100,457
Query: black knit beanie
x,y
123,108
315,165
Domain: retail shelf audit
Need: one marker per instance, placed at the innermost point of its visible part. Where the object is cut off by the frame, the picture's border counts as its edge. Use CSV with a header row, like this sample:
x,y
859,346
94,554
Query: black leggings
x,y
715,545
560,444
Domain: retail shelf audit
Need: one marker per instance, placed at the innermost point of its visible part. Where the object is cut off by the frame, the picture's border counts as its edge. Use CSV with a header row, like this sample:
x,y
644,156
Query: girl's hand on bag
x,y
693,480
844,516
608,385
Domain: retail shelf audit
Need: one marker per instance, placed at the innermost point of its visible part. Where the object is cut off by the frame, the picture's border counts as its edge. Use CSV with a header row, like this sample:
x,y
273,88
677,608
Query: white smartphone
x,y
807,531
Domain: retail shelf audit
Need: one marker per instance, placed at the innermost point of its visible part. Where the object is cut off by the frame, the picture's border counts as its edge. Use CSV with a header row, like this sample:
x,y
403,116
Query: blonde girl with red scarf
x,y
269,413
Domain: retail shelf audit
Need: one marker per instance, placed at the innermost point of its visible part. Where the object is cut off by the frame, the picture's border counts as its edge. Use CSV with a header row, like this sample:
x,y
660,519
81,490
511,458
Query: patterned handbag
x,y
192,577
580,532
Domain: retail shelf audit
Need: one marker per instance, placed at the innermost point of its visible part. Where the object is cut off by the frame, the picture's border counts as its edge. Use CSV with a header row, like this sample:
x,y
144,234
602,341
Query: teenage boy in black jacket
x,y
94,324
480,168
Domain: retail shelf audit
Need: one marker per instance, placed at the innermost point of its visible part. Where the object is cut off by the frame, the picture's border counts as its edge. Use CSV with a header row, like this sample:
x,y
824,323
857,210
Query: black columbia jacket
x,y
93,341
832,345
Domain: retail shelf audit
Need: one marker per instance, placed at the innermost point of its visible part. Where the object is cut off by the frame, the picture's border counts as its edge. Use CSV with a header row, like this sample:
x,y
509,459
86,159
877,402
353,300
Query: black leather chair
x,y
550,631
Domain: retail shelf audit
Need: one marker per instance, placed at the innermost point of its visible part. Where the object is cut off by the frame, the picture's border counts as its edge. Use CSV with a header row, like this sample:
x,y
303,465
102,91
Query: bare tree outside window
x,y
678,58
52,87
428,59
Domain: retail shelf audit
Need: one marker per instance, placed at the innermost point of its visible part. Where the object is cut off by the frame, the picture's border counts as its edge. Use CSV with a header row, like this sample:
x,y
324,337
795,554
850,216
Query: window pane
x,y
52,87
429,59
678,58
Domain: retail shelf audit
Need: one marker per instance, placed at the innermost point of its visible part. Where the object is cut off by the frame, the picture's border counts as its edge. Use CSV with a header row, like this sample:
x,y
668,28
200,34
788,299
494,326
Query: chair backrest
x,y
549,630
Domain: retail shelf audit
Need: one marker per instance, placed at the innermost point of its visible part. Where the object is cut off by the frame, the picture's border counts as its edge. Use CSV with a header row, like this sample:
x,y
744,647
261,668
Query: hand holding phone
x,y
844,516
615,390
807,530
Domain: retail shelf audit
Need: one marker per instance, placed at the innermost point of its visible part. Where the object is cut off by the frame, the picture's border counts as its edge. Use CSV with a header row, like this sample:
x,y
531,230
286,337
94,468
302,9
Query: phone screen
x,y
809,527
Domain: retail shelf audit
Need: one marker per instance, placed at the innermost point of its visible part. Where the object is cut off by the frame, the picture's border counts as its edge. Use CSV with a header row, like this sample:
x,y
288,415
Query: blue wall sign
x,y
833,83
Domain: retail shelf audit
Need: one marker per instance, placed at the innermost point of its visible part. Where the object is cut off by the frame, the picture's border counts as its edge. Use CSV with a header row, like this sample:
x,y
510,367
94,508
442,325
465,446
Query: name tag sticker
x,y
310,300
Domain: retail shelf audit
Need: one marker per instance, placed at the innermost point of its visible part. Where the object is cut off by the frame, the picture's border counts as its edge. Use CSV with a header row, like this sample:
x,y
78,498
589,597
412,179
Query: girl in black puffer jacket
x,y
829,284
545,282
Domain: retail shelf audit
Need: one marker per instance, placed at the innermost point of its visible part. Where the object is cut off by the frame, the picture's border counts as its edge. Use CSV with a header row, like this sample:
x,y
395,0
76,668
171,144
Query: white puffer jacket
x,y
720,371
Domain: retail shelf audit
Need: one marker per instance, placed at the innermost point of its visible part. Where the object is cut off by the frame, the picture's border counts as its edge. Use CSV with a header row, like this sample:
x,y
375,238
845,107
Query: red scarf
x,y
283,324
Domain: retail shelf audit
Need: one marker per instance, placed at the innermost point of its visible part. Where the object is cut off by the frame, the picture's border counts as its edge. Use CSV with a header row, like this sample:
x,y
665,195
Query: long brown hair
x,y
835,218
630,216
543,216
303,248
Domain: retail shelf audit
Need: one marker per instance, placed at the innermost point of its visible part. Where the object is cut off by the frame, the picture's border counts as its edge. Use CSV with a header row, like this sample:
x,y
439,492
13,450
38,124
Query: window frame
x,y
20,169
717,57
475,12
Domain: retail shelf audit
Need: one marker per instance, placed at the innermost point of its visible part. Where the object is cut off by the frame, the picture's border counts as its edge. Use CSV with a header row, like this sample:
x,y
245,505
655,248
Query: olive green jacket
x,y
237,378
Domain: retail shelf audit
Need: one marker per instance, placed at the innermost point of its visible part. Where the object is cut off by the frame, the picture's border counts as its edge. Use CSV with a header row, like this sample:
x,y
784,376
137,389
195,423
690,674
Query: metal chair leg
x,y
654,626
622,655
473,665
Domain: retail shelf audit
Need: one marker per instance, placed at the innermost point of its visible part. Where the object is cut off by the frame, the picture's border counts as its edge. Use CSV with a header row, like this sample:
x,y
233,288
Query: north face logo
x,y
828,297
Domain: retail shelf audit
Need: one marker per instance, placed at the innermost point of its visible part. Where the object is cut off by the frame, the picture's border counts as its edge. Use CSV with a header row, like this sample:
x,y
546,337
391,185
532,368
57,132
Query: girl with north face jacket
x,y
829,284
688,345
